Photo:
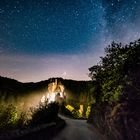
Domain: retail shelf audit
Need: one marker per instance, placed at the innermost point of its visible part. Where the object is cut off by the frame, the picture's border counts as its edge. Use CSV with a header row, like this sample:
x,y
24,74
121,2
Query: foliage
x,y
75,113
116,89
8,116
70,111
77,92
45,113
115,70
24,119
65,111
70,108
11,118
88,111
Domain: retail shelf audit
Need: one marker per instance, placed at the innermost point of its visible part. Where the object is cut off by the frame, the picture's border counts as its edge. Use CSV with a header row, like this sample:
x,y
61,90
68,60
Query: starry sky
x,y
40,39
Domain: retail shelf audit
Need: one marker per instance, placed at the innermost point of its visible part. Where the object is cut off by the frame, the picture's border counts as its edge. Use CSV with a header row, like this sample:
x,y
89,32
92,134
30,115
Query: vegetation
x,y
116,90
20,94
68,110
10,118
45,113
78,93
114,93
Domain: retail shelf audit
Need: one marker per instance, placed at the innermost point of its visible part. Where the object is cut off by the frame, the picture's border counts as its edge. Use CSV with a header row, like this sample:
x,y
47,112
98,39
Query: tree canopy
x,y
118,69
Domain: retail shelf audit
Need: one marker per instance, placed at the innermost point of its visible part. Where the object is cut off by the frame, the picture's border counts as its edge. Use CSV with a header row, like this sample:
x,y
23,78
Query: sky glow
x,y
40,39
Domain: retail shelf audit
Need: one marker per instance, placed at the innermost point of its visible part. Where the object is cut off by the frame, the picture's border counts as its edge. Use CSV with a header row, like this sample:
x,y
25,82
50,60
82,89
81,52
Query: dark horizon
x,y
45,79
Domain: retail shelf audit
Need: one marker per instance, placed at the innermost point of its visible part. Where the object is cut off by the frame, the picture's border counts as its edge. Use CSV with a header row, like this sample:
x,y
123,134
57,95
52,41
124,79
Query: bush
x,y
65,111
70,111
8,116
45,113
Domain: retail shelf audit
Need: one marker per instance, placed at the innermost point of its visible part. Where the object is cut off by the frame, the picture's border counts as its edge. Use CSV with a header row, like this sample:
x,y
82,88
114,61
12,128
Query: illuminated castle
x,y
55,92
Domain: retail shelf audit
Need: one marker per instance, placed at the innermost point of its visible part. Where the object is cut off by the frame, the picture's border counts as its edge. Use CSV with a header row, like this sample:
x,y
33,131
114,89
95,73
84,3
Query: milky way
x,y
45,38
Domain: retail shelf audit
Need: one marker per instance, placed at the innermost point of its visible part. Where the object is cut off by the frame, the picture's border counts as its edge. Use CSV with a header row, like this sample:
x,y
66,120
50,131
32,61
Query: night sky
x,y
40,39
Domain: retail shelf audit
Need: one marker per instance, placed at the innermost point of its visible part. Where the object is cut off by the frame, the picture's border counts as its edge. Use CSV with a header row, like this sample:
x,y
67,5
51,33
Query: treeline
x,y
77,92
12,86
20,106
116,90
13,91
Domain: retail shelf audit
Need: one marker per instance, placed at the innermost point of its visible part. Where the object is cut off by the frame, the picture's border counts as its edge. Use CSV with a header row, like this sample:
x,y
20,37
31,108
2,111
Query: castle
x,y
56,92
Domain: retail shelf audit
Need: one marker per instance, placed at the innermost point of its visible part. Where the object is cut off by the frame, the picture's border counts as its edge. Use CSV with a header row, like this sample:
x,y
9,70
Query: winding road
x,y
77,130
74,130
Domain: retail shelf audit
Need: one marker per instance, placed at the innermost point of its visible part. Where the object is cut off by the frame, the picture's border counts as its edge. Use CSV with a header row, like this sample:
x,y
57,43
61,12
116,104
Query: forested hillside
x,y
12,91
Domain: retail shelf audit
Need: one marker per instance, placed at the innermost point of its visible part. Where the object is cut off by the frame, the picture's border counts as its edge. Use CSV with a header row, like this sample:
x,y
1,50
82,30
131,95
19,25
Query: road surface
x,y
77,130
74,130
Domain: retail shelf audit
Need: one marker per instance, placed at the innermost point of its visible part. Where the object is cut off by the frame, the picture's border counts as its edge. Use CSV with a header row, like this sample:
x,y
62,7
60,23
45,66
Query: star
x,y
71,33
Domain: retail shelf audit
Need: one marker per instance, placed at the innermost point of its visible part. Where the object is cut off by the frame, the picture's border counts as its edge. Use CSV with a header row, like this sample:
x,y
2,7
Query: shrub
x,y
8,116
45,113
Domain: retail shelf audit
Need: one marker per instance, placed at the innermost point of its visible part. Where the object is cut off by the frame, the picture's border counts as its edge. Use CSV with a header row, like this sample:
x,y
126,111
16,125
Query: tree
x,y
115,70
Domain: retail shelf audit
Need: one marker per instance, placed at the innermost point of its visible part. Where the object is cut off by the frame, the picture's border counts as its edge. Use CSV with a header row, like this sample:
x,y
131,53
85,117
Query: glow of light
x,y
51,97
43,99
61,95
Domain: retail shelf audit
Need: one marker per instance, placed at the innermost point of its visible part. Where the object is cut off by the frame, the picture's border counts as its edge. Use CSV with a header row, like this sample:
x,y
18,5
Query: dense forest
x,y
116,84
15,92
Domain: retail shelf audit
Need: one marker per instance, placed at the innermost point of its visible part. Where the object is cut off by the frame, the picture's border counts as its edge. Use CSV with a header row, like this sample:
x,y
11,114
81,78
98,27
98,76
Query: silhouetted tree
x,y
116,84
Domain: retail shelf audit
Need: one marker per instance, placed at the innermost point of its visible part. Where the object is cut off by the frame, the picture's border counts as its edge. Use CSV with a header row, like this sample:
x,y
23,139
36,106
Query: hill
x,y
25,95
